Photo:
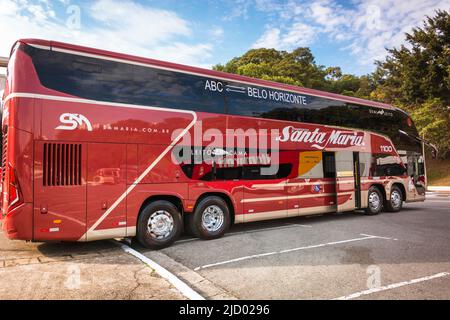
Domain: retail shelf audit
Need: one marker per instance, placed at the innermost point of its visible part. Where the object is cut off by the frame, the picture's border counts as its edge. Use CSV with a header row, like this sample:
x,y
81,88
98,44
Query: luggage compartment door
x,y
106,183
59,191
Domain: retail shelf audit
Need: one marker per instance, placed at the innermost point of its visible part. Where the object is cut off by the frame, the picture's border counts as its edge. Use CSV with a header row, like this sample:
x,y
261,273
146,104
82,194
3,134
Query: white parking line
x,y
369,235
392,286
187,291
366,237
289,225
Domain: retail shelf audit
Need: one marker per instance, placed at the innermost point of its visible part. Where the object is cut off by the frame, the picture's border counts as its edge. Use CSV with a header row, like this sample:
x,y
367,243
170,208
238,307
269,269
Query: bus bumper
x,y
18,223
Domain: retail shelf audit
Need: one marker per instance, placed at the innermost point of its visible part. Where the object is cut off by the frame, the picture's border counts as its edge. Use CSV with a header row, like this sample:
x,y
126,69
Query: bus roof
x,y
126,58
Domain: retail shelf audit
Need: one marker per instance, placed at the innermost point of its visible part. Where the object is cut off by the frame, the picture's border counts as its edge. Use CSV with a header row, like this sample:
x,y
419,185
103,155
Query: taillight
x,y
14,199
421,179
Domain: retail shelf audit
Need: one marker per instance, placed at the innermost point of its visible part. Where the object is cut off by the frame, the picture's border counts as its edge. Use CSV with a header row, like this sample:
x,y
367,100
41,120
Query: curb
x,y
187,291
439,188
209,290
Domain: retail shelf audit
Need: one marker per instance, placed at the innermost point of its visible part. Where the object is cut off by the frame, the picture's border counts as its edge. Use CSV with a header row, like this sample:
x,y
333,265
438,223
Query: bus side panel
x,y
106,176
317,196
59,191
165,178
265,201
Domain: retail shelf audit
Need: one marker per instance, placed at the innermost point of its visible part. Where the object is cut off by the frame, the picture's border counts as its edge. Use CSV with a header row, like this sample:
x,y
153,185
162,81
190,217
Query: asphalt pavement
x,y
404,255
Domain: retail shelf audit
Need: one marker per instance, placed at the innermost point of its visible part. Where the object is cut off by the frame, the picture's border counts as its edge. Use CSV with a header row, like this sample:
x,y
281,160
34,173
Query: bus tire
x,y
210,219
159,225
374,201
395,203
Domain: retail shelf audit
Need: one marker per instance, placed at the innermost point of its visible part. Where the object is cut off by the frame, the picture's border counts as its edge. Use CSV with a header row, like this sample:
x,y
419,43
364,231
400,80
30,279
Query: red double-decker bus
x,y
99,145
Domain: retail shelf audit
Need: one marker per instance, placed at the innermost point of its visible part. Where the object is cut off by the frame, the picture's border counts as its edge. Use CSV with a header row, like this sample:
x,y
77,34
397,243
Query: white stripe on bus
x,y
302,196
290,184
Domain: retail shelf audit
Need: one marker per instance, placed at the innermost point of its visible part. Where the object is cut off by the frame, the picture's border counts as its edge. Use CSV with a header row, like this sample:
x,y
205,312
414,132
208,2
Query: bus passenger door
x,y
345,181
106,182
357,175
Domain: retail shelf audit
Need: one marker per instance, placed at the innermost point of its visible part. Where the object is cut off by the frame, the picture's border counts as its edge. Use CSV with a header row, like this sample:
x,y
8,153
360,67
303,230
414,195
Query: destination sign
x,y
256,92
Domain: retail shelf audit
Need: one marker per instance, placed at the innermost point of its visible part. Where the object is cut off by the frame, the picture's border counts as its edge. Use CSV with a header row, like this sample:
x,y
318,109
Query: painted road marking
x,y
187,291
392,286
254,256
289,225
370,235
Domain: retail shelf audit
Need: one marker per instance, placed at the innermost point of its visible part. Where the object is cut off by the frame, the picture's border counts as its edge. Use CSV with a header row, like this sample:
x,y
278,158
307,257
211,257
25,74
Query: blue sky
x,y
350,34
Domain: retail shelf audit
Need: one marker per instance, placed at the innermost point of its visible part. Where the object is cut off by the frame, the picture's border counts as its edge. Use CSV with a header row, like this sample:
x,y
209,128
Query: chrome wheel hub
x,y
212,218
160,224
396,199
374,201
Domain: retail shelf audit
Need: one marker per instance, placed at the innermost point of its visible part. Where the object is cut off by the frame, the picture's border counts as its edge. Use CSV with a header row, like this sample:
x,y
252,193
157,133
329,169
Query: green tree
x,y
416,77
297,67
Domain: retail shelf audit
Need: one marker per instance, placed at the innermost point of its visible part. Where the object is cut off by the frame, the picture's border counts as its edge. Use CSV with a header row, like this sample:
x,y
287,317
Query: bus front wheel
x,y
159,224
210,219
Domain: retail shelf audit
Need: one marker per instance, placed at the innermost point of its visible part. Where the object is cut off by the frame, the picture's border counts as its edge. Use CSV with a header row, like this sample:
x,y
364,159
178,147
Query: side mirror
x,y
434,153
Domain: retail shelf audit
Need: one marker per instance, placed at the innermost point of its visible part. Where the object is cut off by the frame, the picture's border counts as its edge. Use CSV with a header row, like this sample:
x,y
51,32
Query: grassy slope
x,y
438,172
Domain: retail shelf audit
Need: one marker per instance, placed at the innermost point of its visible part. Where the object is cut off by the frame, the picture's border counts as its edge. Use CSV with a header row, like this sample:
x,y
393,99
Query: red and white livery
x,y
99,145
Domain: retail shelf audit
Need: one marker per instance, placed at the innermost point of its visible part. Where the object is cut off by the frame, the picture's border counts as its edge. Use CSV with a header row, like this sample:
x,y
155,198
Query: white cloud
x,y
132,20
9,7
239,8
327,14
270,39
216,33
380,24
365,30
297,35
120,25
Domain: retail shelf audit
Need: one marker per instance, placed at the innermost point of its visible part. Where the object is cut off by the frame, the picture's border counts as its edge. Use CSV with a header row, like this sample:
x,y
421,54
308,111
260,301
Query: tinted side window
x,y
384,165
254,101
176,90
364,164
227,174
210,173
254,172
329,165
105,80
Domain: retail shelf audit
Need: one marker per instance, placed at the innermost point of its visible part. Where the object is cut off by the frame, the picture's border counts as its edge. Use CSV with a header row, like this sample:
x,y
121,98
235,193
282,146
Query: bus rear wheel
x,y
374,201
396,201
210,219
159,225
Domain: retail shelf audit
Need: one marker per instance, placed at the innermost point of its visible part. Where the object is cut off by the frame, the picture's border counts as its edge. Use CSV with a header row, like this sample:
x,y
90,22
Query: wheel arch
x,y
170,198
381,188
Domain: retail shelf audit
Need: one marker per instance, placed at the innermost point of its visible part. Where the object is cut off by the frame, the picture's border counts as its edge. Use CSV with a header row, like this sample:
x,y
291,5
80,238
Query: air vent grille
x,y
62,164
